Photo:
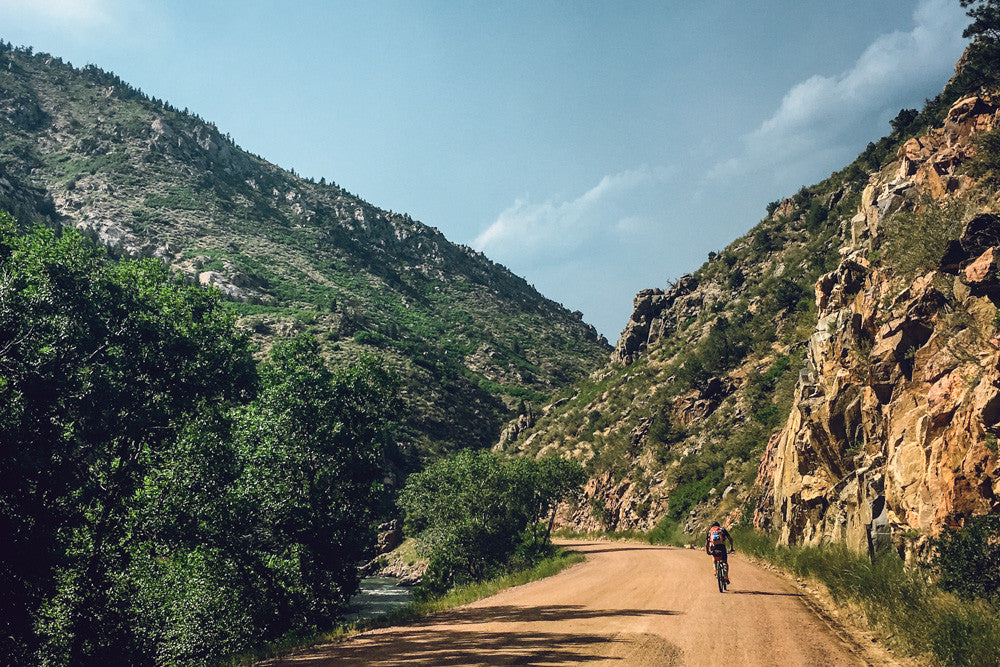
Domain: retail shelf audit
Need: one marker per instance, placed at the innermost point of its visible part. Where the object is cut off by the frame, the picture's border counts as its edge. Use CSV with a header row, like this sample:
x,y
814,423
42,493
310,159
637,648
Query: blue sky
x,y
595,148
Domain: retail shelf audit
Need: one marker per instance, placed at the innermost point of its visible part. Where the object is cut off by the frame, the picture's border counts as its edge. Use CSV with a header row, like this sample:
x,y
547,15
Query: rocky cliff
x,y
892,433
656,314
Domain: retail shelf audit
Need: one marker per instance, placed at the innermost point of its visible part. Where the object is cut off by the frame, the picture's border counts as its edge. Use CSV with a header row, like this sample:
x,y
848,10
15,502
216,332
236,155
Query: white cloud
x,y
527,228
827,115
76,14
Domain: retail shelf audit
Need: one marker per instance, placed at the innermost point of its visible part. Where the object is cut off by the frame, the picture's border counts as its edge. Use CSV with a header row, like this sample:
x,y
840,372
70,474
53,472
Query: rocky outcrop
x,y
607,503
396,557
896,416
930,162
515,428
655,315
891,432
926,166
701,402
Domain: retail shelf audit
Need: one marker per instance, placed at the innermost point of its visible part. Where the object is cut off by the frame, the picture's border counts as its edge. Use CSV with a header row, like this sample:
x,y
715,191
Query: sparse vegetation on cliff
x,y
805,372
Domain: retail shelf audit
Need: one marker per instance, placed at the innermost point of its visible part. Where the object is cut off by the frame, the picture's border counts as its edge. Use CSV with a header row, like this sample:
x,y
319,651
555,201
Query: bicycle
x,y
721,571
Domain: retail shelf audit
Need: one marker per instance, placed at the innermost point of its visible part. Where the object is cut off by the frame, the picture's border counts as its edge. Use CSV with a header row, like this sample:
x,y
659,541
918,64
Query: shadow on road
x,y
464,644
790,595
613,549
454,647
561,612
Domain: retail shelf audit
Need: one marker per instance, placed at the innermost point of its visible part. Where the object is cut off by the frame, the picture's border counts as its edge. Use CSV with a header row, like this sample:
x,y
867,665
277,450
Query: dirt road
x,y
627,604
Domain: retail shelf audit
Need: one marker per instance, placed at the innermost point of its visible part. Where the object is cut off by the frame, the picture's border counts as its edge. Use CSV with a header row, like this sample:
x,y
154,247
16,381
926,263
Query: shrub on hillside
x,y
913,243
967,558
985,164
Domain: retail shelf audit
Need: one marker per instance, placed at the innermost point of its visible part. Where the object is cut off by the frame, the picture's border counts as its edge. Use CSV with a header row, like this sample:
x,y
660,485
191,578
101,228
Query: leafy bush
x,y
724,347
967,558
372,338
735,279
478,514
788,294
764,241
663,430
816,215
692,490
668,531
600,512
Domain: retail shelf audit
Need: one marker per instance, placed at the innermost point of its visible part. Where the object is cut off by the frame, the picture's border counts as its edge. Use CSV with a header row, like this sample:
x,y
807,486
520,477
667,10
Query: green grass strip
x,y
413,611
901,603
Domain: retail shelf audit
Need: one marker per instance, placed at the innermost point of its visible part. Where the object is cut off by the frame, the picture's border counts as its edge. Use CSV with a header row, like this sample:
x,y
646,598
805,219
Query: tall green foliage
x,y
256,519
99,364
161,501
474,511
311,448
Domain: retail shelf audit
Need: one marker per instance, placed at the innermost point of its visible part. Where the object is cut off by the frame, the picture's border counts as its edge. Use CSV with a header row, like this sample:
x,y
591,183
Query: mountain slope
x,y
832,373
81,147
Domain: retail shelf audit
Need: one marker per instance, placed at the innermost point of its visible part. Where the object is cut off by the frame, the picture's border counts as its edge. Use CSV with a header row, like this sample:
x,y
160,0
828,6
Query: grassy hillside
x,y
81,147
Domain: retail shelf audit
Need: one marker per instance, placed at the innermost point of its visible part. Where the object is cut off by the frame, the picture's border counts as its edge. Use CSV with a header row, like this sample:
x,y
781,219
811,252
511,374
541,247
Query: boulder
x,y
981,275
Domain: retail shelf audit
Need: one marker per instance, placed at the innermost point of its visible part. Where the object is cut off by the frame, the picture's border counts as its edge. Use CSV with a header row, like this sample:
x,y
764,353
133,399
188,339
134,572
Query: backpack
x,y
715,536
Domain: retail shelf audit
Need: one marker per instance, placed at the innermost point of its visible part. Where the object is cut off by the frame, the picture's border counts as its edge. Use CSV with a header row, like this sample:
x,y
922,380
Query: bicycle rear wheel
x,y
720,577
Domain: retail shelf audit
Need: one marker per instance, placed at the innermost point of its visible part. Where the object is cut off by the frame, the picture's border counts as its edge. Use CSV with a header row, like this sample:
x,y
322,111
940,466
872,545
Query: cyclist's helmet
x,y
714,524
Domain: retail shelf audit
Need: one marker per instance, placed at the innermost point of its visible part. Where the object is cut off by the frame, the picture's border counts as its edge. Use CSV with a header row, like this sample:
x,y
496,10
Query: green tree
x,y
980,60
985,15
903,120
312,448
816,215
195,582
967,558
789,294
100,365
475,512
253,522
551,479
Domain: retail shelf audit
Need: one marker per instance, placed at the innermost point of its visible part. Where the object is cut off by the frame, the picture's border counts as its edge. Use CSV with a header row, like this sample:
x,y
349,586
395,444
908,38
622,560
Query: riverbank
x,y
409,613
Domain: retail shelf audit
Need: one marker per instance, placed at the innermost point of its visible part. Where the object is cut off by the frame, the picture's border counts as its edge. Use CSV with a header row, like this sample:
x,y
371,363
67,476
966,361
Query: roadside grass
x,y
411,612
915,615
613,535
666,532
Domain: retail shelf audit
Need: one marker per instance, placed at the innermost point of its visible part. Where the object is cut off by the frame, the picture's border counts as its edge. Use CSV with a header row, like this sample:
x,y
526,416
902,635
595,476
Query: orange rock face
x,y
895,421
930,161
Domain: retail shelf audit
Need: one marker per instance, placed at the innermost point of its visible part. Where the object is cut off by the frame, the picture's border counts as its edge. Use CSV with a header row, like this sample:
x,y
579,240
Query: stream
x,y
378,595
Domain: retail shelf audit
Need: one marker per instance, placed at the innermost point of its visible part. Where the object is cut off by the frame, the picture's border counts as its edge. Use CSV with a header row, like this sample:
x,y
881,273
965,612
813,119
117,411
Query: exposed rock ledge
x,y
895,421
655,314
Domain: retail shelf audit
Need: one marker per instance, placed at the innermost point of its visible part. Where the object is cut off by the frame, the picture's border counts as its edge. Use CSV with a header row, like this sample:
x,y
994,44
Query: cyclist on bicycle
x,y
715,545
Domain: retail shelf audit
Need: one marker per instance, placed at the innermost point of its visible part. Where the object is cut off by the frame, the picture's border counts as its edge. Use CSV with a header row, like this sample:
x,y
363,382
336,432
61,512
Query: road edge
x,y
847,622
